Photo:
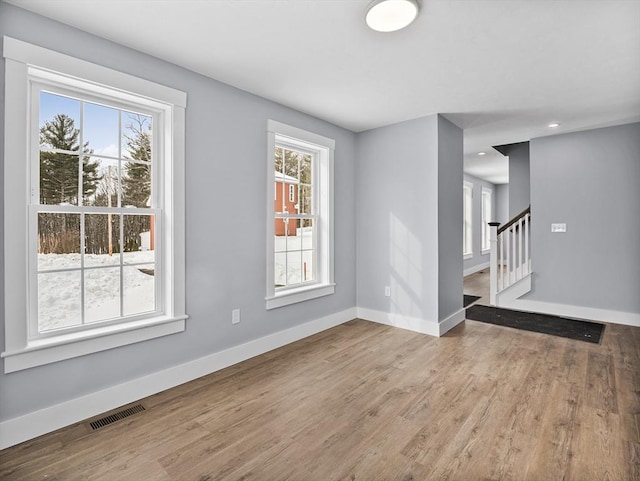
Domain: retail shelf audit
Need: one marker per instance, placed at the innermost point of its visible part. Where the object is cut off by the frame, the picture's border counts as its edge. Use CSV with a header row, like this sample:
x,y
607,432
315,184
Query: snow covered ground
x,y
294,258
59,293
59,296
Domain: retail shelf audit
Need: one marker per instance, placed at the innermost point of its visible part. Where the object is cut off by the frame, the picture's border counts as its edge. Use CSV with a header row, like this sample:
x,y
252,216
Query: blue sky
x,y
100,122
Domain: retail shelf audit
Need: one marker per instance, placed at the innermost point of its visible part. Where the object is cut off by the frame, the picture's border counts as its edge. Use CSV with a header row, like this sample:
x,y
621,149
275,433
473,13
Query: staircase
x,y
510,259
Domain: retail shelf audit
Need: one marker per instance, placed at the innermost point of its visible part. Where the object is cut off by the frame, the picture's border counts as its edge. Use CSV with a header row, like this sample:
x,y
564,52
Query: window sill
x,y
299,295
467,256
66,346
485,252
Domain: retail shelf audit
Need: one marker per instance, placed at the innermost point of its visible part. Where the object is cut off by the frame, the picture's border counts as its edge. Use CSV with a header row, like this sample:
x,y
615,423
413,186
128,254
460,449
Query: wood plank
x,y
601,383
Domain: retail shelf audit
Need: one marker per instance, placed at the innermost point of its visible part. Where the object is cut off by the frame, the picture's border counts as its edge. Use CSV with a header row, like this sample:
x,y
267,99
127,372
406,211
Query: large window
x,y
487,216
99,229
299,233
94,206
467,202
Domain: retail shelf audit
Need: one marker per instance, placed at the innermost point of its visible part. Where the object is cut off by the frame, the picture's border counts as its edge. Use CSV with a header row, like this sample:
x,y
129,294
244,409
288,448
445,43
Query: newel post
x,y
493,262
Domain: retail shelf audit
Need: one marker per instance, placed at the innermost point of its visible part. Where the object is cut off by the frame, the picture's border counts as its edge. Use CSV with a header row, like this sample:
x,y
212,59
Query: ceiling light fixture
x,y
391,15
482,153
553,125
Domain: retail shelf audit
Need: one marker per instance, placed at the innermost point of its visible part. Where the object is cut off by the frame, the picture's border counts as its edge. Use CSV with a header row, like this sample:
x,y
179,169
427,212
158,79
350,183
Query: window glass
x,y
95,251
467,191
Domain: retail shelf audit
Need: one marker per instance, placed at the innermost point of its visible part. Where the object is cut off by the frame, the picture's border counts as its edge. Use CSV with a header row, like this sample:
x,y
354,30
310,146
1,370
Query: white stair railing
x,y
510,258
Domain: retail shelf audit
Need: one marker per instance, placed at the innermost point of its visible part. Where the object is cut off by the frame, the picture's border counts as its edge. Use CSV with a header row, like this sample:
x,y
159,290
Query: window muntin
x,y
94,210
467,202
300,219
487,216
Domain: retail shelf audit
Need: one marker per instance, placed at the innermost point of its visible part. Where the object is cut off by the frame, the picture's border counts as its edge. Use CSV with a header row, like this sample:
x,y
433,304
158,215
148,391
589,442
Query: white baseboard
x,y
580,312
452,321
398,320
415,324
29,426
474,269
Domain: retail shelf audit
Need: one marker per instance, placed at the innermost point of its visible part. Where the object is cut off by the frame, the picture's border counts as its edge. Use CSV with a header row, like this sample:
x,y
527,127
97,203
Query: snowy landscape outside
x,y
96,235
294,256
59,292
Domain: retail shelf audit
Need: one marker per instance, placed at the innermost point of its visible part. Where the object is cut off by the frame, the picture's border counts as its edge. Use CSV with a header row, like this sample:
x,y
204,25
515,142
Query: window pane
x,y
59,130
294,267
280,269
104,189
101,129
58,178
136,184
102,239
280,198
281,228
139,239
294,241
53,106
102,294
297,266
139,289
136,136
305,200
308,271
466,232
277,162
305,169
92,179
58,241
291,164
58,300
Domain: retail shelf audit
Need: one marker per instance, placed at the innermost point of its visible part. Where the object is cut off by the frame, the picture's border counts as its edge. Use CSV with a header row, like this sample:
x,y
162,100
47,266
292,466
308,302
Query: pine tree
x,y
59,171
60,233
136,178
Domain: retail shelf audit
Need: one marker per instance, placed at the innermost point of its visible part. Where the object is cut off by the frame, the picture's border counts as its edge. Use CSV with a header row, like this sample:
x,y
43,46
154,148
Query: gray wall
x,y
397,216
519,178
476,222
591,181
402,173
226,141
502,203
450,213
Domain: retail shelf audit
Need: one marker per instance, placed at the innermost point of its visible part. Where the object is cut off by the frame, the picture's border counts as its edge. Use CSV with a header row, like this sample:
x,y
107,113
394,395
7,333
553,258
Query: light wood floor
x,y
477,284
364,402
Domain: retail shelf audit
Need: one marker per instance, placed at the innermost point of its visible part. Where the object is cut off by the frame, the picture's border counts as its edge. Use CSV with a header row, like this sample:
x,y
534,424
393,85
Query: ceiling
x,y
501,70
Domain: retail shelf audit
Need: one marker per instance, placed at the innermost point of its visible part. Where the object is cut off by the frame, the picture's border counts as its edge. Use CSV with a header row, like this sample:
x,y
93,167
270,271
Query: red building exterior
x,y
286,200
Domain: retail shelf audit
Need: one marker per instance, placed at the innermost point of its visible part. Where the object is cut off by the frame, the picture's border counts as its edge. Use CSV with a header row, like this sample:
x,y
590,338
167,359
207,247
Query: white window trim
x,y
468,254
486,250
21,352
324,284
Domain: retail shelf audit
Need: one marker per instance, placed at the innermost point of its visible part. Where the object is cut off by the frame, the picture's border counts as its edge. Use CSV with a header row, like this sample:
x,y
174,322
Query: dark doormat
x,y
543,323
469,300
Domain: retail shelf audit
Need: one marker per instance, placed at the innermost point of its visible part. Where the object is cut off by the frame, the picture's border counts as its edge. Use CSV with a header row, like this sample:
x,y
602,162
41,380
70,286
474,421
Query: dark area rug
x,y
467,300
543,323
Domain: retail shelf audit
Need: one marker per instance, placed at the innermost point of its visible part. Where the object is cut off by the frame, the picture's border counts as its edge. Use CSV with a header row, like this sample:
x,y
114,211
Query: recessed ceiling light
x,y
553,125
391,15
482,153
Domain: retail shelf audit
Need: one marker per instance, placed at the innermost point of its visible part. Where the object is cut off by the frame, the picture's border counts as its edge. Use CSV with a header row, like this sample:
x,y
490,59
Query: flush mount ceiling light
x,y
482,153
553,125
391,15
